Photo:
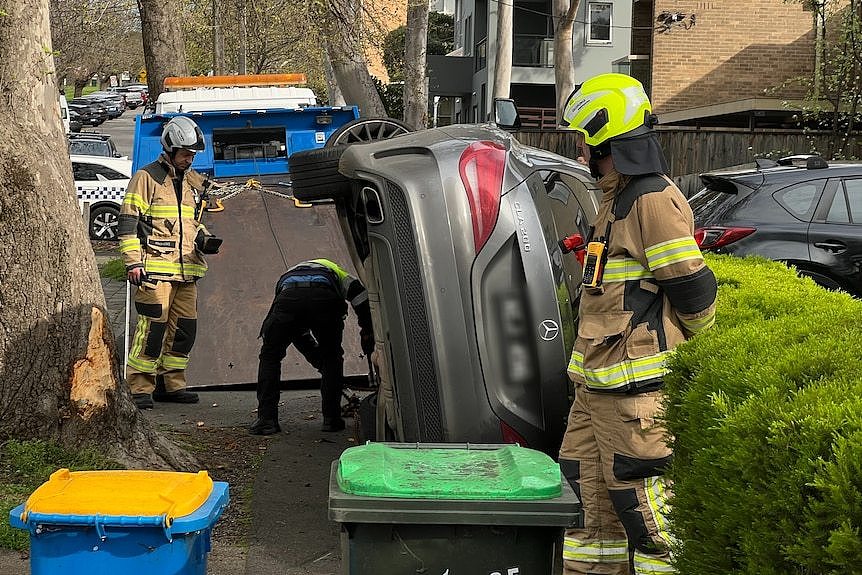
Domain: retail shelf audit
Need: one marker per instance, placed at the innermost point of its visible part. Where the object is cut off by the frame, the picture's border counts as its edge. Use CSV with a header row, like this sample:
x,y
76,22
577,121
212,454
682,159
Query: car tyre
x,y
104,221
315,176
822,280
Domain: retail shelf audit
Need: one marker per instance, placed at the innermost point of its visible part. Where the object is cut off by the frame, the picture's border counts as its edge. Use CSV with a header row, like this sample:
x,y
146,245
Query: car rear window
x,y
89,148
713,202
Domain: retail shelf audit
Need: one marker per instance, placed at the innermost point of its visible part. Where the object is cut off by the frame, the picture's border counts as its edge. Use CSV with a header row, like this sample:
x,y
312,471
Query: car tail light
x,y
511,436
482,166
716,237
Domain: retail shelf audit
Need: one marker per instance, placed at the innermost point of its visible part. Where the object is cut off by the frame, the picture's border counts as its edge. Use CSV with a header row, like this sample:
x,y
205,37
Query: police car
x,y
101,183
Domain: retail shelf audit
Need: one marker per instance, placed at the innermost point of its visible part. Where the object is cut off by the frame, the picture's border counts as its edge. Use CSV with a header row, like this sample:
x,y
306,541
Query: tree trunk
x,y
564,64
164,49
242,67
218,41
347,54
59,379
415,80
503,65
80,84
336,98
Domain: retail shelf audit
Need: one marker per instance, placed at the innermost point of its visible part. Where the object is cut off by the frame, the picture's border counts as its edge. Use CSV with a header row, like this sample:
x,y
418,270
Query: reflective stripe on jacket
x,y
656,289
157,231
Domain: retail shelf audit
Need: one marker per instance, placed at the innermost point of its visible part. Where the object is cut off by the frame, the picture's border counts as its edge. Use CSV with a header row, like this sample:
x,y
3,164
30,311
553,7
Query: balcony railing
x,y
538,118
532,51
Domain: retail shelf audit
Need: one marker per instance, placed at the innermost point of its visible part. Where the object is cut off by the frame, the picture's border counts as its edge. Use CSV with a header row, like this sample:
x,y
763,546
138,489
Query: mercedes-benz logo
x,y
549,330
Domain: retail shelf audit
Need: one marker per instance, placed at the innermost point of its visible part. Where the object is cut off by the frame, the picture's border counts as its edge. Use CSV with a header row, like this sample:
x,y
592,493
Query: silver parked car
x,y
457,231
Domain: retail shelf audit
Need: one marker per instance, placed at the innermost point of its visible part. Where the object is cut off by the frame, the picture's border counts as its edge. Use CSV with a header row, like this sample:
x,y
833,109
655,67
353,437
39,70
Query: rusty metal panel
x,y
263,234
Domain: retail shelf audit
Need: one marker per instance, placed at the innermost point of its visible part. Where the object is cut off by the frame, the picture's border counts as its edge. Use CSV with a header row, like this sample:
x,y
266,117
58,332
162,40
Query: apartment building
x,y
730,62
716,62
603,42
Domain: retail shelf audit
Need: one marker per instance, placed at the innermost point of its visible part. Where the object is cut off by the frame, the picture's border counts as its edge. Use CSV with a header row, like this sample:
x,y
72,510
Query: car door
x,y
562,214
835,234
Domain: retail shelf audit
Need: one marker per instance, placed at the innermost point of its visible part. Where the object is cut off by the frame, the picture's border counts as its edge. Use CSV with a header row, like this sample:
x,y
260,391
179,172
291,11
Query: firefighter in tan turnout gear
x,y
646,289
163,242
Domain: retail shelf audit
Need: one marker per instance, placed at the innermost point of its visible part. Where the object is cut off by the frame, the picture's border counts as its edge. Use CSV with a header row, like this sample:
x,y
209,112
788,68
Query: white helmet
x,y
181,133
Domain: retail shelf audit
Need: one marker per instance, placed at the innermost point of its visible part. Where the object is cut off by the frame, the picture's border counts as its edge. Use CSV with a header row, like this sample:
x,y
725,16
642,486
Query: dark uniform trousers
x,y
312,319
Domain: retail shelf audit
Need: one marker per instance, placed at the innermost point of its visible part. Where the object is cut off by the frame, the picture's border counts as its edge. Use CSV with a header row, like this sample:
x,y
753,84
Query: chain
x,y
232,189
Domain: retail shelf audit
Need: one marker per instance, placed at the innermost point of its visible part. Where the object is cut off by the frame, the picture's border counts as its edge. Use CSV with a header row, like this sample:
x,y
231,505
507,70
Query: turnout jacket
x,y
656,289
159,224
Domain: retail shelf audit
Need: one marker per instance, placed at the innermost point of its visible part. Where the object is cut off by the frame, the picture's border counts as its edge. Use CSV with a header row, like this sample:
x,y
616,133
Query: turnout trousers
x,y
164,335
312,319
613,454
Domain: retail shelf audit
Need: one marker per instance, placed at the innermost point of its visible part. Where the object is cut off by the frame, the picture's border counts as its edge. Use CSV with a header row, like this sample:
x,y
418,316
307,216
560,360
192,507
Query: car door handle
x,y
833,246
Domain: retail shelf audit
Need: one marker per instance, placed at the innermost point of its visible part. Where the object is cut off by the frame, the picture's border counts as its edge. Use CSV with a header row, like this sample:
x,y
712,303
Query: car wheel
x,y
103,223
315,176
367,130
822,280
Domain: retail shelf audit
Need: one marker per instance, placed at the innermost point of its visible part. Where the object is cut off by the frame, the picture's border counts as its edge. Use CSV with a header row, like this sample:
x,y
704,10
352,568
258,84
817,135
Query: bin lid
x,y
411,471
128,493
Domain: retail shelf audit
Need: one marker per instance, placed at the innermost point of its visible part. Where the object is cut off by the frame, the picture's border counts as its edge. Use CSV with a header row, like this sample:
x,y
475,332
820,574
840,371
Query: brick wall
x,y
735,50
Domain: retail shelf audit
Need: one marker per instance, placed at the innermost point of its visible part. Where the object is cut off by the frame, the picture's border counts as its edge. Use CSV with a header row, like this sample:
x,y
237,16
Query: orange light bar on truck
x,y
181,82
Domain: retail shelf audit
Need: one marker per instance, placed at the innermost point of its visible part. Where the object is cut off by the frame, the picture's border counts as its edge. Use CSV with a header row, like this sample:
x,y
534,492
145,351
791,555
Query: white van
x,y
64,113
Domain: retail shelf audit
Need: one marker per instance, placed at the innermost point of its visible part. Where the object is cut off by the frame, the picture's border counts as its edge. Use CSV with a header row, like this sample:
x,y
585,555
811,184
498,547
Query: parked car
x,y
456,231
114,104
799,210
91,113
141,89
132,97
92,144
64,113
101,183
75,123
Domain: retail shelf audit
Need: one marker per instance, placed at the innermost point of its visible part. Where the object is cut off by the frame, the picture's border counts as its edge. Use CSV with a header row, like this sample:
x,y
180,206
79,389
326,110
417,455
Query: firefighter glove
x,y
206,243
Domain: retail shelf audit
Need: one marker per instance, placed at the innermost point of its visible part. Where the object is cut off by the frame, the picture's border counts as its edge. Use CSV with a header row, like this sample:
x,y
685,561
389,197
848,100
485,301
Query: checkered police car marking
x,y
111,193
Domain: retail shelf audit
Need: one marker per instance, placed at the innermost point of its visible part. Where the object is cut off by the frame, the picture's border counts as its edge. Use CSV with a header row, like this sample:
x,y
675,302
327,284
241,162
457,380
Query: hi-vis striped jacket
x,y
157,231
656,290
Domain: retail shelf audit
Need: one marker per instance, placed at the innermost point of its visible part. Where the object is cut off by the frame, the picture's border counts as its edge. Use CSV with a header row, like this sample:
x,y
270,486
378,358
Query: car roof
x,y
122,165
90,136
783,172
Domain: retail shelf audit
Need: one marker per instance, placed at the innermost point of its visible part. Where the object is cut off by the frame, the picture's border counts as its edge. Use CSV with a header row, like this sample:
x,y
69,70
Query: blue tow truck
x,y
251,124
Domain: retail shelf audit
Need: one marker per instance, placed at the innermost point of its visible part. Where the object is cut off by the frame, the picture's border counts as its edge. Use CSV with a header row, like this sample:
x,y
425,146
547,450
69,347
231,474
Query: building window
x,y
482,54
599,23
468,35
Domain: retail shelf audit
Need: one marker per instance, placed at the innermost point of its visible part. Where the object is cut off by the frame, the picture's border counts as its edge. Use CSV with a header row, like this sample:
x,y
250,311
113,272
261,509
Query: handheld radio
x,y
594,264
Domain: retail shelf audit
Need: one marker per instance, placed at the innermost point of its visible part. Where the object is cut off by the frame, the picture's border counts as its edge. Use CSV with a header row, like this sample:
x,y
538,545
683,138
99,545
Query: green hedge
x,y
766,414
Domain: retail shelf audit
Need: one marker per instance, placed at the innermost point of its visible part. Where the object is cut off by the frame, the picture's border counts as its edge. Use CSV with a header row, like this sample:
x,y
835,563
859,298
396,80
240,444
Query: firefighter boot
x,y
142,400
264,426
179,396
332,424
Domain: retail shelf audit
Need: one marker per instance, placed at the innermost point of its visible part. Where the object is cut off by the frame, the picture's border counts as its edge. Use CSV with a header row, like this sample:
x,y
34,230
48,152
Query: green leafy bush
x,y
766,414
24,466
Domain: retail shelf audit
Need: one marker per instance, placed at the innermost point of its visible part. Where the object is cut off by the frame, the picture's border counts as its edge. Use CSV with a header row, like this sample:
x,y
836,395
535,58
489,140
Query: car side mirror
x,y
506,114
118,155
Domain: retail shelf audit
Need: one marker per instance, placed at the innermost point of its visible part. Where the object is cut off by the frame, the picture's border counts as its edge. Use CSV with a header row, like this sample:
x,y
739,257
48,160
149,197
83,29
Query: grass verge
x,y
24,466
114,269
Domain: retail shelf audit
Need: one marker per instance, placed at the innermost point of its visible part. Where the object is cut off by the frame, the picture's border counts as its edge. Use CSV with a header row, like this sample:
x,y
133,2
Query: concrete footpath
x,y
284,528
